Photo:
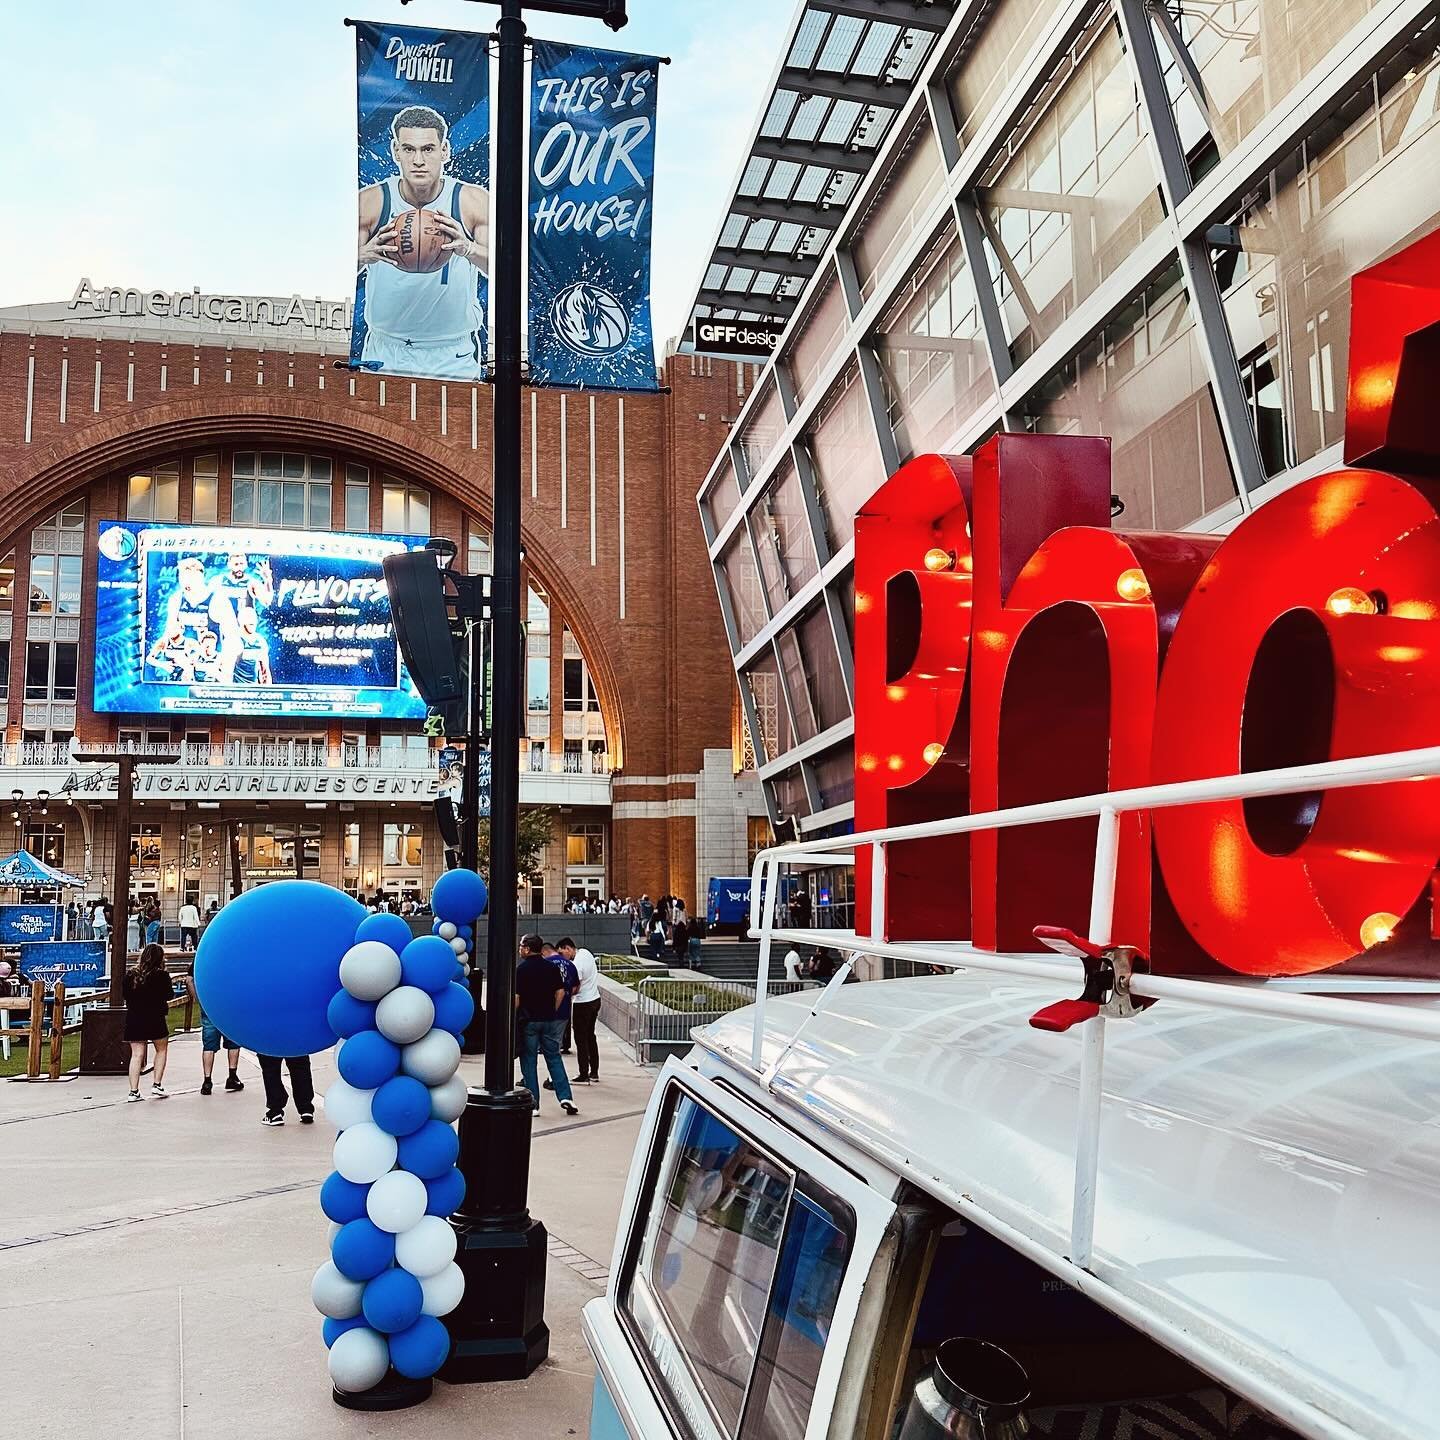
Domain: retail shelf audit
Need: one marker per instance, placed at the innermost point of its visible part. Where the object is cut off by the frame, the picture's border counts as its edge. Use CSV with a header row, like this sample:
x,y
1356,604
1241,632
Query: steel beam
x,y
915,14
795,212
775,264
861,88
804,152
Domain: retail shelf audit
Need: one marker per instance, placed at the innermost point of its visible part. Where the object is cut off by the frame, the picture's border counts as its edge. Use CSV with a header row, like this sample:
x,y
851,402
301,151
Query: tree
x,y
532,834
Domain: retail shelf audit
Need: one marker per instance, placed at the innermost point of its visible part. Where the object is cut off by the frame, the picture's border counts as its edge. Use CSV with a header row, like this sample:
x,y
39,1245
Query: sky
x,y
174,143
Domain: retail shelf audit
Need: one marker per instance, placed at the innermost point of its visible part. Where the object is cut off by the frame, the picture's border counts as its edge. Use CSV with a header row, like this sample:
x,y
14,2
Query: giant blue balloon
x,y
368,1060
342,1200
392,1301
349,1016
430,1151
454,1008
389,930
419,1351
445,1192
269,964
361,1249
458,896
401,1105
427,962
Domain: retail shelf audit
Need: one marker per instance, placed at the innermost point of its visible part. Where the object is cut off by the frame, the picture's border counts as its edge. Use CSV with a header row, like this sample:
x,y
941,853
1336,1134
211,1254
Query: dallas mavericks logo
x,y
589,319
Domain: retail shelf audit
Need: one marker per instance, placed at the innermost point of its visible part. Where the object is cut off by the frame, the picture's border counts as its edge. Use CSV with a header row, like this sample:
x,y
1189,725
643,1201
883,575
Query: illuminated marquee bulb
x,y
932,752
1350,600
1376,929
938,559
1132,585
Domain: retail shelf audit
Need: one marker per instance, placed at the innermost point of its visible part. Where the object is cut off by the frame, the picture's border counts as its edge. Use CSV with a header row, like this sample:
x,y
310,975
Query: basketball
x,y
418,240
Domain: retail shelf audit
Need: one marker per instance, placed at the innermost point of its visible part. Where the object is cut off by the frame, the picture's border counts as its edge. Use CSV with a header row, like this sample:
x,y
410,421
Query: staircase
x,y
738,959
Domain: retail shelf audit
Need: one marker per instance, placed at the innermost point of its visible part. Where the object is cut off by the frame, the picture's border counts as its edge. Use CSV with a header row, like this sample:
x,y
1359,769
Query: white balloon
x,y
443,1291
347,1106
364,1153
433,1059
465,967
358,1359
427,1247
447,1101
369,970
405,1014
459,945
334,1294
397,1201
448,930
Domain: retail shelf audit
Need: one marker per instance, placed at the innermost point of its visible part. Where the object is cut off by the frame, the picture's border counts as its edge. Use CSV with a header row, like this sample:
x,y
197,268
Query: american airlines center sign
x,y
117,302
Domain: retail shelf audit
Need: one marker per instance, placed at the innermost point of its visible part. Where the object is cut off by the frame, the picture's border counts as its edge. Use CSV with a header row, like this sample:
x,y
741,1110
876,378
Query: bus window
x,y
733,1284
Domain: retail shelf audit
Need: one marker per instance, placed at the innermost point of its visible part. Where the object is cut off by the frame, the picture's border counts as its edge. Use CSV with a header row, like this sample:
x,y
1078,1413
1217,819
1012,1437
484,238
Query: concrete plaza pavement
x,y
155,1261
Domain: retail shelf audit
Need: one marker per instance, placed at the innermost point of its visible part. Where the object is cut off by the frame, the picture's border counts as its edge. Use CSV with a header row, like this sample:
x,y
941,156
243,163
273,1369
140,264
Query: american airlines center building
x,y
1130,219
134,410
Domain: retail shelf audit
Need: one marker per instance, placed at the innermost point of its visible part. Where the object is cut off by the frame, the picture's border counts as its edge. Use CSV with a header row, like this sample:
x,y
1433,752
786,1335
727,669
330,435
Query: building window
x,y
405,509
537,611
537,670
479,557
55,584
7,581
286,490
4,669
45,840
154,494
402,845
205,490
50,670
357,497
537,756
758,837
573,762
145,851
350,859
574,686
780,524
585,845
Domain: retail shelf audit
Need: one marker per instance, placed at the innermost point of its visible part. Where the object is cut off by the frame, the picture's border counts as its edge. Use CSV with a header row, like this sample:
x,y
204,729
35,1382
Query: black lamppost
x,y
499,1327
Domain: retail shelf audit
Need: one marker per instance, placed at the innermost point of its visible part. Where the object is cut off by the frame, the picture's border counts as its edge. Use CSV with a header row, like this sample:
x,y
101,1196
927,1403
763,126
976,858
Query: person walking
x,y
147,991
586,1009
275,1093
697,934
680,936
189,925
152,921
212,1042
572,983
657,936
539,989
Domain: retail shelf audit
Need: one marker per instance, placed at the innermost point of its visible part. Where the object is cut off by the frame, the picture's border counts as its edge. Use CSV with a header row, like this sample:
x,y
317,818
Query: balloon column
x,y
285,969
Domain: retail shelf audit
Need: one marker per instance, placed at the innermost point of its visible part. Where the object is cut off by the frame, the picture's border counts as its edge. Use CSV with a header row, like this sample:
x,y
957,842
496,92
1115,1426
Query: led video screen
x,y
207,619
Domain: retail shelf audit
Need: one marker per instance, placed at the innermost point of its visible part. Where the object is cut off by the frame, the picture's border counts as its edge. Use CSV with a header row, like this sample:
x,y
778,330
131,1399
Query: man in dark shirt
x,y
539,991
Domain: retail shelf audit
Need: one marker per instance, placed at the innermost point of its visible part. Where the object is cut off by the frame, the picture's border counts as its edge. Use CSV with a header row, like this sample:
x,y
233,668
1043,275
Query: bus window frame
x,y
825,1179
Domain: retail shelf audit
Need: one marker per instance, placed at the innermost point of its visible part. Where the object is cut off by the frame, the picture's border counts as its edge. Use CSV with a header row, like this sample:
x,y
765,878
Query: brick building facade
x,y
106,406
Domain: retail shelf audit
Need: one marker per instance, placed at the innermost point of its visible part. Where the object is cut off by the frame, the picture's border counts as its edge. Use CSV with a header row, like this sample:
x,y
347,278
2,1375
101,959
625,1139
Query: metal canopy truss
x,y
848,69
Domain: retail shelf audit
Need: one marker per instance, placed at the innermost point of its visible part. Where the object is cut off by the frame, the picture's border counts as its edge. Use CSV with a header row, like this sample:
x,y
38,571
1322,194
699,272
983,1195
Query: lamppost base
x,y
394,1392
103,1050
498,1330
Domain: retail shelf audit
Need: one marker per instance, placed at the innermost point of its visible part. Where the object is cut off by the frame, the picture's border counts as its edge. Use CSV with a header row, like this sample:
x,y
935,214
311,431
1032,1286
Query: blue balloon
x,y
389,930
468,931
430,1151
418,1352
362,1250
349,1016
368,1060
342,1200
460,976
392,1301
428,962
458,896
332,1330
445,1193
454,1008
269,964
401,1106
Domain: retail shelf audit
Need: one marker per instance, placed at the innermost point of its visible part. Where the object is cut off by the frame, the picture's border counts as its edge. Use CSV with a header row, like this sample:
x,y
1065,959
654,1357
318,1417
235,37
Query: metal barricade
x,y
668,1009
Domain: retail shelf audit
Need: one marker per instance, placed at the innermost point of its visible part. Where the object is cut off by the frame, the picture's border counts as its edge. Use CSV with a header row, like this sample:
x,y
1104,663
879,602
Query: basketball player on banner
x,y
424,244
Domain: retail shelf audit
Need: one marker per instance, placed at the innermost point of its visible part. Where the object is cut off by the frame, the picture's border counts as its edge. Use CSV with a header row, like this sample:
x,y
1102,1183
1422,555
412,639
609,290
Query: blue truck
x,y
727,906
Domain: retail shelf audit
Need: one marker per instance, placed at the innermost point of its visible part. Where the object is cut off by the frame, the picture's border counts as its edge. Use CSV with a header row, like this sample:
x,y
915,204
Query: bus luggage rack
x,y
1282,998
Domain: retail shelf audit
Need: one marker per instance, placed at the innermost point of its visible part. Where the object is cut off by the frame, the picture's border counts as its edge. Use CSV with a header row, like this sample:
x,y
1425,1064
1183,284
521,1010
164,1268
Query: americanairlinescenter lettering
x,y
315,314
186,784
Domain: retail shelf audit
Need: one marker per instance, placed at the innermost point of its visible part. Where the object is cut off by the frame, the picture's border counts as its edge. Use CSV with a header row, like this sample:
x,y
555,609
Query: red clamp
x,y
1107,980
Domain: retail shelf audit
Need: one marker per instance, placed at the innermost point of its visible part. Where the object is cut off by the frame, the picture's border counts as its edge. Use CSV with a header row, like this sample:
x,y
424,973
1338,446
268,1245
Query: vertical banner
x,y
422,284
592,172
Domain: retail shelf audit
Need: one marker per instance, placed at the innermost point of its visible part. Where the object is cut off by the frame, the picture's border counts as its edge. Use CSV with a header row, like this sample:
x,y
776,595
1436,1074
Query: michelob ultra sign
x,y
1013,647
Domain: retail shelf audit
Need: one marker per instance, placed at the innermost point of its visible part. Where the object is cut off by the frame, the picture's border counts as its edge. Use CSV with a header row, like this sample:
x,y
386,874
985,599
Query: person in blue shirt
x,y
539,990
571,976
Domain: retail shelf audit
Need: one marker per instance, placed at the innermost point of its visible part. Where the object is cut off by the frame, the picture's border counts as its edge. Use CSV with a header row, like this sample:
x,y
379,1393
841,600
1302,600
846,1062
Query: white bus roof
x,y
1268,1194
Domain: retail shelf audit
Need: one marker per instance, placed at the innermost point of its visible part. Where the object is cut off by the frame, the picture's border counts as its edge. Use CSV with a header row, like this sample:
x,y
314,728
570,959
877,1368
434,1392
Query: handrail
x,y
1415,1021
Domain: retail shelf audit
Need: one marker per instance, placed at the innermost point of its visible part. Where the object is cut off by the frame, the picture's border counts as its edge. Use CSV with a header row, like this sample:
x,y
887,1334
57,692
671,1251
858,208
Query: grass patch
x,y
70,1046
